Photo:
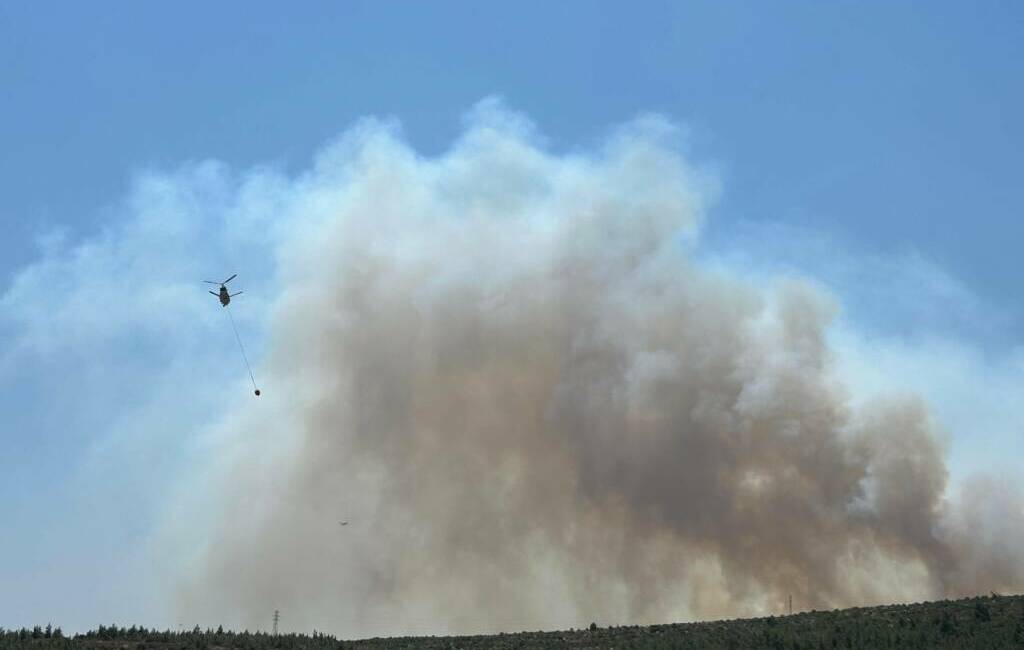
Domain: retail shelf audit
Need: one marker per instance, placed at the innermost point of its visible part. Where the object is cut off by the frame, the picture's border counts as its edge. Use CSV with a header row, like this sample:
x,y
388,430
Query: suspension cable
x,y
242,348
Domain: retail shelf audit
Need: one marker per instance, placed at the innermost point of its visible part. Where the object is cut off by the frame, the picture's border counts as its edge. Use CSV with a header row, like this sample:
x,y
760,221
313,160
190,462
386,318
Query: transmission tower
x,y
277,616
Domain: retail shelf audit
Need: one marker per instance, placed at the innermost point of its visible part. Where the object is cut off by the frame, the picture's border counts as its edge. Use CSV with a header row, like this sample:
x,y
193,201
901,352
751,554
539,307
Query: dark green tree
x,y
981,612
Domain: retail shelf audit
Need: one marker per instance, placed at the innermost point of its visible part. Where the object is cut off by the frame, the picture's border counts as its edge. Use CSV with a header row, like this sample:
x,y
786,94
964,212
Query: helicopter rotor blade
x,y
211,282
230,279
235,294
214,293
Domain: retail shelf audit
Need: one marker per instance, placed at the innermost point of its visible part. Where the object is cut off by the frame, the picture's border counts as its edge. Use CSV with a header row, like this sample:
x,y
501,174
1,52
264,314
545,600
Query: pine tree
x,y
981,612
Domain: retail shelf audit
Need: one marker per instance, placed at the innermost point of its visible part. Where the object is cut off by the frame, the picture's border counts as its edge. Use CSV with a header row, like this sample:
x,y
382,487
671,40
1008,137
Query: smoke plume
x,y
506,370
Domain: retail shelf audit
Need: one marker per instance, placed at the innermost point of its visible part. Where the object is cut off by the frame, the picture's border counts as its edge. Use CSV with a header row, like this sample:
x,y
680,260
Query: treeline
x,y
37,632
141,638
989,622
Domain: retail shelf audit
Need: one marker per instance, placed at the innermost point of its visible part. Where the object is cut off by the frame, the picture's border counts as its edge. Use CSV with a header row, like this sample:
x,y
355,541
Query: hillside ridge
x,y
994,621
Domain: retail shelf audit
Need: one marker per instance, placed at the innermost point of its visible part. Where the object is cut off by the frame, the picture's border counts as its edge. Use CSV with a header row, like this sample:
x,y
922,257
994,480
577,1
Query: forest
x,y
989,622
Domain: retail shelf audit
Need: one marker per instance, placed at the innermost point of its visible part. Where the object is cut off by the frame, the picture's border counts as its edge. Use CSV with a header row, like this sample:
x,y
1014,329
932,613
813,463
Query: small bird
x,y
343,523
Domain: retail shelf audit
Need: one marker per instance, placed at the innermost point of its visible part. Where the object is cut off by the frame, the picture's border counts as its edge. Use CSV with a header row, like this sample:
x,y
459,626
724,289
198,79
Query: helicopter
x,y
224,296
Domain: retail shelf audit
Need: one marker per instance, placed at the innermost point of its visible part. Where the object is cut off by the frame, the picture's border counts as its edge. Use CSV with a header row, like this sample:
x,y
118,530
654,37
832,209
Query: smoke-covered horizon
x,y
536,408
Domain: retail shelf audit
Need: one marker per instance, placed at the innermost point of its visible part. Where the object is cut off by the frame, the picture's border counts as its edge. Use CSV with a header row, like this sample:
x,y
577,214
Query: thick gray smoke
x,y
506,371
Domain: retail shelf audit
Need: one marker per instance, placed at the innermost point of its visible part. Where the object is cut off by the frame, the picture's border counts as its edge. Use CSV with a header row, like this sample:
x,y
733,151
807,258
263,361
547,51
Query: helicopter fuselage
x,y
223,294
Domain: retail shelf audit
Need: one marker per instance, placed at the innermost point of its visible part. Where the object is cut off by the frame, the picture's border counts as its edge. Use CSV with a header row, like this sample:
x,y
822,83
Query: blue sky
x,y
873,146
895,125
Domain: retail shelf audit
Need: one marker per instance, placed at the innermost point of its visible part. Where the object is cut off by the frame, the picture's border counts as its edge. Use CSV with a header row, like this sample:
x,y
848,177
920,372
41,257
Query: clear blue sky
x,y
897,124
890,130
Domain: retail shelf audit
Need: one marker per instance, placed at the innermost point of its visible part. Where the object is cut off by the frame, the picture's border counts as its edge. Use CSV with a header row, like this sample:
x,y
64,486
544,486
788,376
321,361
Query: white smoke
x,y
535,409
510,372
